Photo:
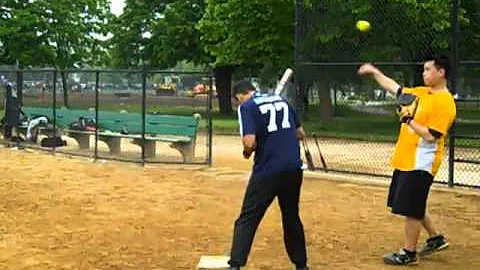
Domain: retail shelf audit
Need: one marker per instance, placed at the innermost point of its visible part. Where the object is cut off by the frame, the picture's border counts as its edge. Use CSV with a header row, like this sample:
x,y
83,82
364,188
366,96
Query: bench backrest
x,y
132,122
154,124
64,116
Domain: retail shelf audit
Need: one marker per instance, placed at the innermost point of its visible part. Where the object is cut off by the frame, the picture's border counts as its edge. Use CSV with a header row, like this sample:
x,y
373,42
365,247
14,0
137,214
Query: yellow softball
x,y
363,26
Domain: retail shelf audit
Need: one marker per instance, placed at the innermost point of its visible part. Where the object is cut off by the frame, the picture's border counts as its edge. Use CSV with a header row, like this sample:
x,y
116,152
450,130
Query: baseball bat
x,y
308,156
322,159
283,81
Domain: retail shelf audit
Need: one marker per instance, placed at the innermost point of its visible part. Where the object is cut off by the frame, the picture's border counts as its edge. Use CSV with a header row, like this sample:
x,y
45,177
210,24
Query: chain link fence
x,y
329,49
467,128
144,116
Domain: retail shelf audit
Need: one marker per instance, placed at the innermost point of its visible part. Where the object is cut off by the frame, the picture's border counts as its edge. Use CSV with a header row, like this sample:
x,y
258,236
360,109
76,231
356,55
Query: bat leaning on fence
x,y
308,155
322,159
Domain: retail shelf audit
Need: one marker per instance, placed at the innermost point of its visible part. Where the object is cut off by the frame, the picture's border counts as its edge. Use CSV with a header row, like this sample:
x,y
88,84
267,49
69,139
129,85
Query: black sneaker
x,y
433,244
234,268
400,258
302,268
17,139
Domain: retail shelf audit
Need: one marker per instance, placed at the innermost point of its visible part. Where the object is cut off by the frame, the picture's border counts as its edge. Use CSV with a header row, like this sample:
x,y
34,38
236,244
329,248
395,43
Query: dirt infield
x,y
340,154
67,213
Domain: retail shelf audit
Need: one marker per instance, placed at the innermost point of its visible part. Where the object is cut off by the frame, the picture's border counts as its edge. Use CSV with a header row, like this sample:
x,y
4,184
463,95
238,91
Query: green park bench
x,y
179,131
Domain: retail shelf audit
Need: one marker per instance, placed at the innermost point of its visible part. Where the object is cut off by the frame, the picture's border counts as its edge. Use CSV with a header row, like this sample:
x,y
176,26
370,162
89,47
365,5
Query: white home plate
x,y
213,262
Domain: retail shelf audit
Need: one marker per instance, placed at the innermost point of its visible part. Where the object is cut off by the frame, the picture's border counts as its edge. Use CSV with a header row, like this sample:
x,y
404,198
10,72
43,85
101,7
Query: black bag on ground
x,y
84,123
53,142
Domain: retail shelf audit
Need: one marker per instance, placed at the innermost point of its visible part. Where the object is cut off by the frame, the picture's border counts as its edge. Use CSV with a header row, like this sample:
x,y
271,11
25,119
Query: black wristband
x,y
399,91
406,119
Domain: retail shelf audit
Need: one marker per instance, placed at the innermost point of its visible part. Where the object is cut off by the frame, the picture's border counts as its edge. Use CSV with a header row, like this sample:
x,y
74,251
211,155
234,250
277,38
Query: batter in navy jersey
x,y
270,128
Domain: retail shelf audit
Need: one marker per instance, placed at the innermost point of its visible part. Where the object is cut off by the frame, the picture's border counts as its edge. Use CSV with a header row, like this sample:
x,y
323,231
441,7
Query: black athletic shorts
x,y
408,193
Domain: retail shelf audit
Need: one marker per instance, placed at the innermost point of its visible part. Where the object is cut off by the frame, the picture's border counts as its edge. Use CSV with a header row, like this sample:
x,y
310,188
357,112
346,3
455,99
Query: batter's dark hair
x,y
242,87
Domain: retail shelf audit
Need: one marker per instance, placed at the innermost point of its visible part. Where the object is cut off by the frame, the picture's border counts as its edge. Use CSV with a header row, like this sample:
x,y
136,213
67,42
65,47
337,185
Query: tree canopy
x,y
403,30
250,37
254,33
160,32
53,32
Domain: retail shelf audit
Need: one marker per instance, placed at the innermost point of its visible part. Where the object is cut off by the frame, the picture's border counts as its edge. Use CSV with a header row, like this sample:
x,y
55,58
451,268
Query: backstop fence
x,y
329,50
144,116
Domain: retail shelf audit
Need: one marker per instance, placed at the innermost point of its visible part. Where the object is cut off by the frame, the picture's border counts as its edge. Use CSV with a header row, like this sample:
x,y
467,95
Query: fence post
x,y
451,157
298,29
20,84
54,105
297,58
209,119
97,83
453,82
144,104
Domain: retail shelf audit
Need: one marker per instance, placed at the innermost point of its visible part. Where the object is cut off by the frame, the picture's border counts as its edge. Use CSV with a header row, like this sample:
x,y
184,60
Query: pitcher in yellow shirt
x,y
418,154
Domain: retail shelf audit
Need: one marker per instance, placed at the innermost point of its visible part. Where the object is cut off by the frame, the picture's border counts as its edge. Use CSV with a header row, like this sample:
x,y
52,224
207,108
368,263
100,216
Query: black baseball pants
x,y
259,195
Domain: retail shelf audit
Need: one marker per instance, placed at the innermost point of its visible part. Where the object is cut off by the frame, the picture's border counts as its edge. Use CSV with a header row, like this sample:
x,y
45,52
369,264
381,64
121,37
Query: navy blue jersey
x,y
273,122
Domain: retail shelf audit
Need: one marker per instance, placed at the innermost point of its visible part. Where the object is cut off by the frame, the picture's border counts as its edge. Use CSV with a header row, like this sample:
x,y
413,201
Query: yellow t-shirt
x,y
437,111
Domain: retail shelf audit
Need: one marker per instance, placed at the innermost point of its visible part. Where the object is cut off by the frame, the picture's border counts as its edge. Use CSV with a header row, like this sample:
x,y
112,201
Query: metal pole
x,y
209,120
299,91
144,102
54,104
20,78
298,30
19,99
453,87
97,83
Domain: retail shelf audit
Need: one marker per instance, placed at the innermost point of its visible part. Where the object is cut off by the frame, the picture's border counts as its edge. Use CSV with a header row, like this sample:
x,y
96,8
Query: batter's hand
x,y
247,153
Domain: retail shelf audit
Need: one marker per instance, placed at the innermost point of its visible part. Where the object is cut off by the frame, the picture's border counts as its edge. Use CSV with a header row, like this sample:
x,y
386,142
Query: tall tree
x,y
57,33
403,30
254,33
78,45
162,32
131,32
175,37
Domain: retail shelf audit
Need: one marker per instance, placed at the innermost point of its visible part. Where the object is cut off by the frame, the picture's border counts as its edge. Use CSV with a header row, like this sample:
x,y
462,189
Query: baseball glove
x,y
407,106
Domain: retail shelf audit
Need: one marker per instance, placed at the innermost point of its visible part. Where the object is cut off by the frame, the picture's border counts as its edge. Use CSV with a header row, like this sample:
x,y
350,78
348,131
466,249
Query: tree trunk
x,y
20,86
64,76
223,83
326,108
301,102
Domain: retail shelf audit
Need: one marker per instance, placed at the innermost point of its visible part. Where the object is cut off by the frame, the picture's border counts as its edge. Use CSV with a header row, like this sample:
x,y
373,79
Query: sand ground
x,y
58,212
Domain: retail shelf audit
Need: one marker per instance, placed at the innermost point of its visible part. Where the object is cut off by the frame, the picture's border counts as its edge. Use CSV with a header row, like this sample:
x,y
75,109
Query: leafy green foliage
x,y
402,30
158,33
251,33
53,32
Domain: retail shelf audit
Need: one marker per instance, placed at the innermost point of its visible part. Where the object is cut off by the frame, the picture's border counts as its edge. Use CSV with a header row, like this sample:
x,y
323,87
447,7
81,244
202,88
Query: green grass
x,y
351,124
468,111
346,123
